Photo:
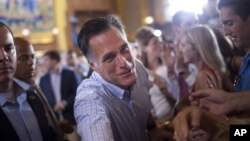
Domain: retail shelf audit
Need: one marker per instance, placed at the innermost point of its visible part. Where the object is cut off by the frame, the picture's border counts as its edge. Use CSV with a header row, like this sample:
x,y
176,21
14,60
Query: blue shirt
x,y
243,83
22,118
105,112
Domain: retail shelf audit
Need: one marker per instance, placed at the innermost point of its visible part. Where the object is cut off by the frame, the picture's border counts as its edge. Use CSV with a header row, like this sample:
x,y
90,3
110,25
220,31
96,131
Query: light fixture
x,y
26,32
55,31
157,33
149,20
194,6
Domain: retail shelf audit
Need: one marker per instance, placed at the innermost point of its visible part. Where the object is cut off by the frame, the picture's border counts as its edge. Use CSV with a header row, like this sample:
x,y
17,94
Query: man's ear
x,y
92,65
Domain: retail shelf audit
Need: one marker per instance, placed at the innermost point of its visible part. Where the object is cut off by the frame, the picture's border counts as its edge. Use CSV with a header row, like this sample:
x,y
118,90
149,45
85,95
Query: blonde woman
x,y
199,46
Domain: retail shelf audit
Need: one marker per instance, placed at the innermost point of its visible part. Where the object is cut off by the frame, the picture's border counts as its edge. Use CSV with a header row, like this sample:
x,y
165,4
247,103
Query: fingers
x,y
211,80
219,79
181,127
200,94
193,101
195,118
181,122
210,83
196,97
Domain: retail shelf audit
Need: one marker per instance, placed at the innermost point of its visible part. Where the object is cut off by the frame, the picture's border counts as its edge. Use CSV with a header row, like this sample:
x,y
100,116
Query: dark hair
x,y
53,55
7,27
241,7
144,34
94,27
225,46
178,17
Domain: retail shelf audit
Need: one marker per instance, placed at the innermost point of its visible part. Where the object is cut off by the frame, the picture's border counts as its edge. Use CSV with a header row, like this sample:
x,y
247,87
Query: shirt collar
x,y
18,92
117,91
60,68
2,100
23,84
246,58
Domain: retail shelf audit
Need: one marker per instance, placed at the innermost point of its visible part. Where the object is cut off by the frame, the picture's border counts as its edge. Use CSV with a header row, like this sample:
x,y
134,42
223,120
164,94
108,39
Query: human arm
x,y
68,90
92,121
195,118
206,79
221,102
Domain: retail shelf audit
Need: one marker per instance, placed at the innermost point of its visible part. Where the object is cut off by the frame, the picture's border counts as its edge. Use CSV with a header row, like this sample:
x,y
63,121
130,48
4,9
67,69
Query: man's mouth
x,y
31,70
126,72
5,69
234,38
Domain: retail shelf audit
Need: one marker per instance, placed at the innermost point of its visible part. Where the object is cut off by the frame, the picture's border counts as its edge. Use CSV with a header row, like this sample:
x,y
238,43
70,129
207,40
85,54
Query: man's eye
x,y
228,23
124,49
9,48
109,58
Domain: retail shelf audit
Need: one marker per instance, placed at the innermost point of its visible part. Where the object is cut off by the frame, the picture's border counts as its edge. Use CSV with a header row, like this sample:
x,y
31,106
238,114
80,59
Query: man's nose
x,y
122,61
31,60
226,31
3,55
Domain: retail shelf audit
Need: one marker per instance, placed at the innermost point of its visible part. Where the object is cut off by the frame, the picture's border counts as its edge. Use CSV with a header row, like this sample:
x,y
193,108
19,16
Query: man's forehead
x,y
5,38
108,37
24,48
227,11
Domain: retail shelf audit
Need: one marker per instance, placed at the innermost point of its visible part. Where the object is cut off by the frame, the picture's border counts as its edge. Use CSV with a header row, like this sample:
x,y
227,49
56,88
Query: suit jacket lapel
x,y
63,81
37,107
51,95
7,131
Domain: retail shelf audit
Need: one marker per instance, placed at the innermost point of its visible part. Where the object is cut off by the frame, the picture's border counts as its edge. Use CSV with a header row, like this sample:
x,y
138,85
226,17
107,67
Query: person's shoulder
x,y
44,76
140,69
67,70
89,89
89,98
202,74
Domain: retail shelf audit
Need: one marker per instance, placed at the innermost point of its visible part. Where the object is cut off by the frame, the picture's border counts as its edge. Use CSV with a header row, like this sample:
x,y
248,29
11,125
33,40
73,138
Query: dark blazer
x,y
68,91
7,131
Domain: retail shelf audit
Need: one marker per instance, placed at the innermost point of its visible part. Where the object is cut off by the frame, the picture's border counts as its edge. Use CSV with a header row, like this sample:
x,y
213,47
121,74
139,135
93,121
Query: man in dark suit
x,y
22,113
59,86
24,76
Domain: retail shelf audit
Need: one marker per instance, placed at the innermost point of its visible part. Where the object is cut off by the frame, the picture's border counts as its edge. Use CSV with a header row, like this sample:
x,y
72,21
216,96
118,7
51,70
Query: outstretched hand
x,y
214,100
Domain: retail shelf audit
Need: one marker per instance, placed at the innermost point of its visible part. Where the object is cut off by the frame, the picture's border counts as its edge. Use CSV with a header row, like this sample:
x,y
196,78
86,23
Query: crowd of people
x,y
189,84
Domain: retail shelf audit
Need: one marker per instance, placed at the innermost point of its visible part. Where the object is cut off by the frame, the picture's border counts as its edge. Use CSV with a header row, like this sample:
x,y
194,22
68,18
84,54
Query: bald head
x,y
25,60
21,42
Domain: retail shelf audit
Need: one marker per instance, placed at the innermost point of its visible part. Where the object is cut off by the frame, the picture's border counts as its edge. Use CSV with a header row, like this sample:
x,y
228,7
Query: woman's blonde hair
x,y
204,41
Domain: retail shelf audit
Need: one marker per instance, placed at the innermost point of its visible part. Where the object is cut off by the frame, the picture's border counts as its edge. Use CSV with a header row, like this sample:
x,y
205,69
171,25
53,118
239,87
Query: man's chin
x,y
127,82
6,78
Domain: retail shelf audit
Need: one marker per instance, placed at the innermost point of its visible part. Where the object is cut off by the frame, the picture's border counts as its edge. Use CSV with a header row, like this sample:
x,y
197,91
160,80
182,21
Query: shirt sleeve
x,y
93,123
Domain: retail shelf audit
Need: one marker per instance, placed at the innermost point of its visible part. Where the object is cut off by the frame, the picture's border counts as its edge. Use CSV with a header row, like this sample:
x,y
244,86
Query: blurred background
x,y
54,24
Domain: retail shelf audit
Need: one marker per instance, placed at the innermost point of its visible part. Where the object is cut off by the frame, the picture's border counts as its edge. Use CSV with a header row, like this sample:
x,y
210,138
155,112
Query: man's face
x,y
49,64
113,60
72,59
25,62
234,27
7,56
